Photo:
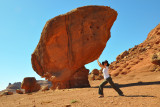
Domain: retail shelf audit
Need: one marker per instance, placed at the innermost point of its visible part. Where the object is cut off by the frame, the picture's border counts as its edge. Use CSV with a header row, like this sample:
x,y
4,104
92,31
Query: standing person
x,y
107,79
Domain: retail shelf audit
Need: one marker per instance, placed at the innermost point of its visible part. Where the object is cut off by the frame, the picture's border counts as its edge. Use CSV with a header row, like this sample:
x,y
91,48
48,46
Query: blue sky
x,y
22,21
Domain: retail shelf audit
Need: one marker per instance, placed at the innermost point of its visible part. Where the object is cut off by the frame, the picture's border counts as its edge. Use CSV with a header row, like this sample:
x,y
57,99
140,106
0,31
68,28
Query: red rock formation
x,y
30,85
70,41
79,79
141,58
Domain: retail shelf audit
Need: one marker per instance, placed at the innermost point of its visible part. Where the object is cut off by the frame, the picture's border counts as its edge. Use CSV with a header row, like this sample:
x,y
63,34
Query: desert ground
x,y
140,90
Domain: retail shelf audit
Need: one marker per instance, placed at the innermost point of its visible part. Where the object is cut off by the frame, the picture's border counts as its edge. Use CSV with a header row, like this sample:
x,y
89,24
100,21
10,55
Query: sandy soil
x,y
141,90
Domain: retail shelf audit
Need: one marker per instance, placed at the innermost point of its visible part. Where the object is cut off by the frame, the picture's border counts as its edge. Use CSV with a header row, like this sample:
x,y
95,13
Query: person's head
x,y
105,63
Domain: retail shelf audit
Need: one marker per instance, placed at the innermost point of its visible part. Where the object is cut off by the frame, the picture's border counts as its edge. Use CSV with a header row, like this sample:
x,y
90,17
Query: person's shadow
x,y
140,83
134,96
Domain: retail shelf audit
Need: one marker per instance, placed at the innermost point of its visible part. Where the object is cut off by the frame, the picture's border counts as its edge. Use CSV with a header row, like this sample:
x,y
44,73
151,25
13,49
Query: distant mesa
x,y
70,41
15,85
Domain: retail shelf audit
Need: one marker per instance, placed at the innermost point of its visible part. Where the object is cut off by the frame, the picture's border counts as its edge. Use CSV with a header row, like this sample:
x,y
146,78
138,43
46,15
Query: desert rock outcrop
x,y
141,58
30,85
70,41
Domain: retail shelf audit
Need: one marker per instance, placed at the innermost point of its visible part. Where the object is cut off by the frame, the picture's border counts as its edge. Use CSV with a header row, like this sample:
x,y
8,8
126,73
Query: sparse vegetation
x,y
74,101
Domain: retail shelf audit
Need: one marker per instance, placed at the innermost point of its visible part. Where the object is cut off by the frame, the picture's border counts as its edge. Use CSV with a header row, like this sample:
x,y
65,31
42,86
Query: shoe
x,y
101,96
121,94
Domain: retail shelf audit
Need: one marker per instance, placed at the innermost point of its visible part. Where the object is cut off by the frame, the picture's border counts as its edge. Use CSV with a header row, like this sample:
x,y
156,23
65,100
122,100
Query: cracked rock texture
x,y
70,41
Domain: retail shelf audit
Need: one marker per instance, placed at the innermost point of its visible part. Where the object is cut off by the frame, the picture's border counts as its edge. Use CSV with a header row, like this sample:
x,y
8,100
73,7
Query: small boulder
x,y
30,85
19,91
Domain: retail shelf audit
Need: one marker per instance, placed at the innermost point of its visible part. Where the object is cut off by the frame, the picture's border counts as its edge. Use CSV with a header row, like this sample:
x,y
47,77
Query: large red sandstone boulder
x,y
70,41
30,85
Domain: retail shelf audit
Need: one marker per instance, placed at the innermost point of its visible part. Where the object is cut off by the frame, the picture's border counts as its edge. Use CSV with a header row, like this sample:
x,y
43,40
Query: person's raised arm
x,y
102,66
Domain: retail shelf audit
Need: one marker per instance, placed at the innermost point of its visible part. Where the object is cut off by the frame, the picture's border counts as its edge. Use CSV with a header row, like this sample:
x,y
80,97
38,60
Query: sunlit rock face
x,y
70,41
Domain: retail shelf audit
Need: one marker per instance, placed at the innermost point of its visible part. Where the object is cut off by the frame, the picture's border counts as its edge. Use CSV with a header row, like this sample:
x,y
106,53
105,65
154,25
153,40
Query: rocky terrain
x,y
144,57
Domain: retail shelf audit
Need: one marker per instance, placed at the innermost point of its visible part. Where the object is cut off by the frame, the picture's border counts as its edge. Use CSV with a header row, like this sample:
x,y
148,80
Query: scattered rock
x,y
122,55
6,93
156,58
142,50
67,105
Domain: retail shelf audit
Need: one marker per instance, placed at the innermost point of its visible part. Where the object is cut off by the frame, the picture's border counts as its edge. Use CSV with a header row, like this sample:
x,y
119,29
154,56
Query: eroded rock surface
x,y
70,41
